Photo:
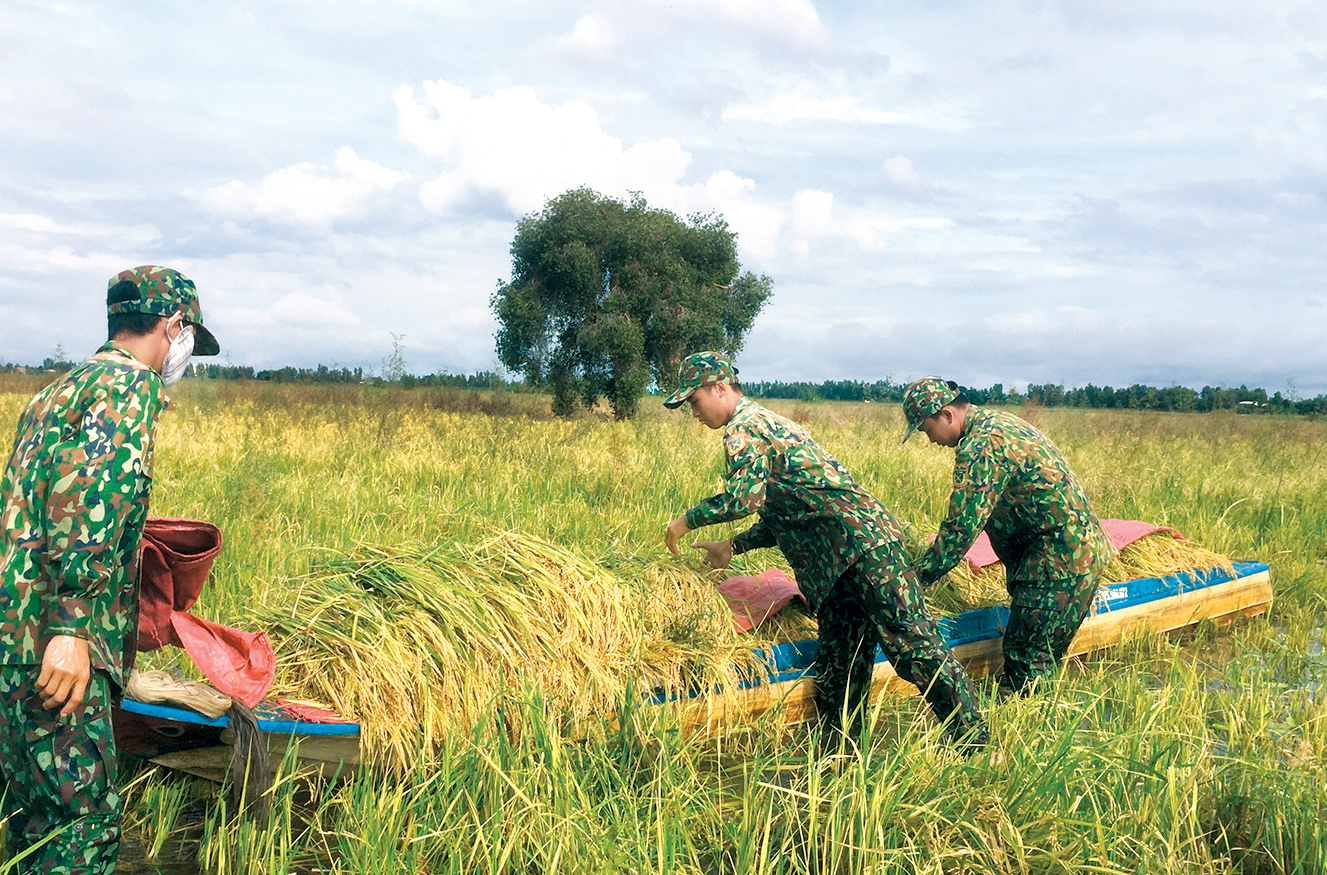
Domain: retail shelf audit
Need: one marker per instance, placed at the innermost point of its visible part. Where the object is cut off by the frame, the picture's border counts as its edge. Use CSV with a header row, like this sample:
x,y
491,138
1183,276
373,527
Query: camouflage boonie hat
x,y
700,369
161,291
923,399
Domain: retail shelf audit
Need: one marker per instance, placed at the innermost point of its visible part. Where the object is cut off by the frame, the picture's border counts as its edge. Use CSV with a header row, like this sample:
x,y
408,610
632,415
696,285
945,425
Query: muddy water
x,y
175,859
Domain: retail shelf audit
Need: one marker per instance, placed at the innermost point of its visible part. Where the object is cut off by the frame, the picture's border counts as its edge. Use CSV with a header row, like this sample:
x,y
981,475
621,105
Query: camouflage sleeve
x,y
759,535
24,427
978,483
748,471
98,478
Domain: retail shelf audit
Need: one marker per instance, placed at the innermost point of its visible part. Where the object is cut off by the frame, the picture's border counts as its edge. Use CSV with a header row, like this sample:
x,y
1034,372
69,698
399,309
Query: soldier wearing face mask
x,y
73,503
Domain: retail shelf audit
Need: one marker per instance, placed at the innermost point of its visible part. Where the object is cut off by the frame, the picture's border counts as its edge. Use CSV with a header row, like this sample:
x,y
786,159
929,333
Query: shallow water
x,y
177,858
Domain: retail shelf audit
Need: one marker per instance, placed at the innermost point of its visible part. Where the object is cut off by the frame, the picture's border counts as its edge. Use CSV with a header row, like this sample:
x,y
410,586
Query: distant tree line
x,y
1135,397
830,390
288,374
323,374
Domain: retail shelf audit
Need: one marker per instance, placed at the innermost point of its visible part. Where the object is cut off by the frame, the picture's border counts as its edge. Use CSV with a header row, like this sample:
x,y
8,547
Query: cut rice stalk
x,y
414,643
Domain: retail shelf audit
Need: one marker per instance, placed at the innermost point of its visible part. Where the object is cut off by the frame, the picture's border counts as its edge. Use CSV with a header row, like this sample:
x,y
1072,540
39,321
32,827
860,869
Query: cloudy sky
x,y
1071,191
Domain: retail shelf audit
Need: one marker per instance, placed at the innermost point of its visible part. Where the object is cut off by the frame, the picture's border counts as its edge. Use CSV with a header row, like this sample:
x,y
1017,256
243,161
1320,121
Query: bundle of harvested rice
x,y
686,629
1154,555
690,633
414,643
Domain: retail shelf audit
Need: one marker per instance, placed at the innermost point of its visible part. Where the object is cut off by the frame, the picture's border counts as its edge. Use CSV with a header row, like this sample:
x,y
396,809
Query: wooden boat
x,y
187,741
1159,605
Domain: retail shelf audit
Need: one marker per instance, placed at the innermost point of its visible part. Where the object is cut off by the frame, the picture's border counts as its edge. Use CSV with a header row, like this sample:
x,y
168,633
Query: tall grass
x,y
1154,757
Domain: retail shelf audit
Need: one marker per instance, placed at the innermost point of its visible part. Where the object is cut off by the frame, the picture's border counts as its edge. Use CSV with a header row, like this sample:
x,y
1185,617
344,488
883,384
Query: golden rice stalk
x,y
414,643
687,632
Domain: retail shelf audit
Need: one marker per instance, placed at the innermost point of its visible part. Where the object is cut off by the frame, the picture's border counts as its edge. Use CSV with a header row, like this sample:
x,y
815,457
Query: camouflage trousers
x,y
878,601
58,777
1044,616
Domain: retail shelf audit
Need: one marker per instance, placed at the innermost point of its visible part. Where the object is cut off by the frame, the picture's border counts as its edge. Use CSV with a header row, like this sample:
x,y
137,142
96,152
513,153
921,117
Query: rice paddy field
x,y
480,584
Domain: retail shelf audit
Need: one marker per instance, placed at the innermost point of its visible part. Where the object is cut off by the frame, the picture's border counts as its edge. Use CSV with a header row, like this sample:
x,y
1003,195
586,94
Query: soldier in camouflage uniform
x,y
844,546
73,502
1012,481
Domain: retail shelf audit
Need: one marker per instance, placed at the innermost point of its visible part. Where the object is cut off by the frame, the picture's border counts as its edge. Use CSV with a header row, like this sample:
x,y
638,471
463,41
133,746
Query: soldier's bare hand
x,y
677,530
65,673
717,553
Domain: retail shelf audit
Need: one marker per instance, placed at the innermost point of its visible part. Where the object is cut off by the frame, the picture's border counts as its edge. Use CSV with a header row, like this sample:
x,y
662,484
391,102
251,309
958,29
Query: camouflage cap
x,y
923,399
160,290
700,369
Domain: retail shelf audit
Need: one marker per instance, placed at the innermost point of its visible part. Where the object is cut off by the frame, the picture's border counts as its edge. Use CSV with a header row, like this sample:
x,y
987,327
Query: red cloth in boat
x,y
753,600
1121,534
176,557
311,713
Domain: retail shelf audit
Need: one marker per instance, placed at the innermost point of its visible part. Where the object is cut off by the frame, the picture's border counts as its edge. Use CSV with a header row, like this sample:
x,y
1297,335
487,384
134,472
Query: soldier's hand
x,y
677,529
65,673
717,553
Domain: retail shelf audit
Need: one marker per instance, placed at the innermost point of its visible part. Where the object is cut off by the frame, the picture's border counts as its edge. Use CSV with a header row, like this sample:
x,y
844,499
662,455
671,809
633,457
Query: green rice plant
x,y
160,807
1202,755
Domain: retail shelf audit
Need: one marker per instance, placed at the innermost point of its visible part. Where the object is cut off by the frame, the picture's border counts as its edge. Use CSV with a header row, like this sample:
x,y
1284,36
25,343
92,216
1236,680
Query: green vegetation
x,y
1177,399
606,297
1205,754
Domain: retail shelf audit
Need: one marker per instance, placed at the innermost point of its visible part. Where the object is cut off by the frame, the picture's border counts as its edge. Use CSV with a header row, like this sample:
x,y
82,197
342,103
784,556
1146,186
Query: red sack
x,y
753,600
1122,533
176,557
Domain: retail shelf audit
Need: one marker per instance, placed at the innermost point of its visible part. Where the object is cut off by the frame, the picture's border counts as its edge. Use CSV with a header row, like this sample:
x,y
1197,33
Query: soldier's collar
x,y
112,351
743,405
113,346
968,419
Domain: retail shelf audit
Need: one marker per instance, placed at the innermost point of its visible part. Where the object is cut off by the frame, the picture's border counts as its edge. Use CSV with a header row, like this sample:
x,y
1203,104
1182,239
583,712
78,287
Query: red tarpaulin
x,y
755,599
1121,533
176,557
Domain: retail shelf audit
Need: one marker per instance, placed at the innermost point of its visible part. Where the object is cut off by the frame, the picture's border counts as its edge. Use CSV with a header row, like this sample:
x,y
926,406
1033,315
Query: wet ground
x,y
177,860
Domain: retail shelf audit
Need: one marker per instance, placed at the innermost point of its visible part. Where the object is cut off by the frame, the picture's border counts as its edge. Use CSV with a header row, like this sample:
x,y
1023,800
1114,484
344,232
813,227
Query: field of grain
x,y
1203,754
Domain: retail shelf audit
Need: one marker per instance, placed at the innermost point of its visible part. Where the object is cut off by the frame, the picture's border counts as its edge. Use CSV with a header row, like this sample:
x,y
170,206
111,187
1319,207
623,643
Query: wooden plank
x,y
327,754
1222,603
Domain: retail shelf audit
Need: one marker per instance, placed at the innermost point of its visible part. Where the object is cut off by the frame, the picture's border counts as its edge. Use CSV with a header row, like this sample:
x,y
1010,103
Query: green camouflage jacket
x,y
809,505
73,503
1011,480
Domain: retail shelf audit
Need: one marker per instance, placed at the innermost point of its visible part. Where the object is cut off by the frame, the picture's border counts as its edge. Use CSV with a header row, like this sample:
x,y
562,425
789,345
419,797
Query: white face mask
x,y
177,357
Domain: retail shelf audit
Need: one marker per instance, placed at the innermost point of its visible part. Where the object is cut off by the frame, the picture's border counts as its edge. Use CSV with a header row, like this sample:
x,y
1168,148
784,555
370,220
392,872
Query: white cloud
x,y
307,193
757,224
513,145
45,225
31,222
45,245
313,312
811,218
62,259
789,21
592,34
787,108
298,312
901,172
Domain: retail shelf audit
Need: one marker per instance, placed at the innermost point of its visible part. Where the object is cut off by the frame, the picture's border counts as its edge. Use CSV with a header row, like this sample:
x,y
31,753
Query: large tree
x,y
606,296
